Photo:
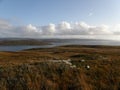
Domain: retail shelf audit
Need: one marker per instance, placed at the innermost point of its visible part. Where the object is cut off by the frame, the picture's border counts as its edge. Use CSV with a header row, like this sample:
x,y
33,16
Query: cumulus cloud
x,y
48,30
64,28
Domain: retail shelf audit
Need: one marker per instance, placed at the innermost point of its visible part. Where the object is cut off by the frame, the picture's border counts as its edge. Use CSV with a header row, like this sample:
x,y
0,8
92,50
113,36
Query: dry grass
x,y
30,69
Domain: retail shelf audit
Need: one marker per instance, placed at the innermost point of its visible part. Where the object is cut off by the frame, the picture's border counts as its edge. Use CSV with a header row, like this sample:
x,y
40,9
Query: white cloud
x,y
100,30
31,27
64,28
48,30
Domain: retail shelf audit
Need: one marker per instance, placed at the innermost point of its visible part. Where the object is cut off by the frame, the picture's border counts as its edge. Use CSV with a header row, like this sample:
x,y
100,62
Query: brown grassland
x,y
31,69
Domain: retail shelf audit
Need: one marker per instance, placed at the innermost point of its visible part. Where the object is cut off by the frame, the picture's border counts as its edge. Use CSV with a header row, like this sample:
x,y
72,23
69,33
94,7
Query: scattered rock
x,y
88,67
67,62
82,60
73,66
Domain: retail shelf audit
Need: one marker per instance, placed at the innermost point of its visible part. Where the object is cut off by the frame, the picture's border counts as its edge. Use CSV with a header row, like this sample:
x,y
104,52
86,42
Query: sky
x,y
40,18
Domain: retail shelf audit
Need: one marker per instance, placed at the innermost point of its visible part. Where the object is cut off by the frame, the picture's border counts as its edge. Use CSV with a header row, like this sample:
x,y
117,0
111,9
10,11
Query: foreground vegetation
x,y
34,70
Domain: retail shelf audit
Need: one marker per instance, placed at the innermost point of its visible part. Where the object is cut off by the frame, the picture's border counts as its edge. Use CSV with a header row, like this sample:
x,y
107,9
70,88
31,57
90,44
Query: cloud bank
x,y
62,29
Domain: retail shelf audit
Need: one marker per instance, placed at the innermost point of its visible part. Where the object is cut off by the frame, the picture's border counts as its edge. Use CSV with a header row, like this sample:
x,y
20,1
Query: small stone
x,y
73,66
88,67
82,60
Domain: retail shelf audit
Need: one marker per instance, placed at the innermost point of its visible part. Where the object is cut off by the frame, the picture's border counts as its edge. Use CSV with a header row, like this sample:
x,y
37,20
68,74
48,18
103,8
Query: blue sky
x,y
41,18
42,12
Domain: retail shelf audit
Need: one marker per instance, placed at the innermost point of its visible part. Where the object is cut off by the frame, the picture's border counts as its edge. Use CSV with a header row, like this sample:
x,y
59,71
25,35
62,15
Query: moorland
x,y
44,68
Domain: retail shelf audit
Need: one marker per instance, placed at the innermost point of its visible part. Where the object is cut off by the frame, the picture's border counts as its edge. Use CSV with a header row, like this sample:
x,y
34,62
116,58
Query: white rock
x,y
73,66
82,60
88,67
67,62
